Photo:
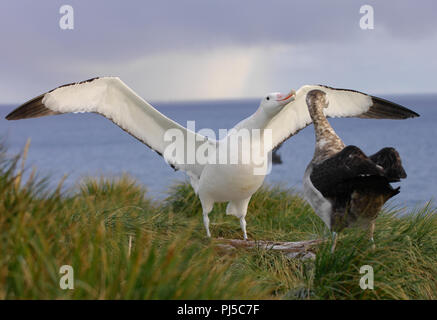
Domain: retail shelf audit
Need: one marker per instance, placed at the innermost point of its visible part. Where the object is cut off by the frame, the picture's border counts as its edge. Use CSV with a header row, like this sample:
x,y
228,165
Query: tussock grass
x,y
170,257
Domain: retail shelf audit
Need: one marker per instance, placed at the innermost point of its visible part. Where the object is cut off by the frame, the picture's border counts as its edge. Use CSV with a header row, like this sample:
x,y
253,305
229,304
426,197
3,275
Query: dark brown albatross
x,y
344,186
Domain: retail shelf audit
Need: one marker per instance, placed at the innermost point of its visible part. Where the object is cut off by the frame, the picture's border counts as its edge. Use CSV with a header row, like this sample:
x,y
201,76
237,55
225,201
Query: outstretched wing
x,y
113,99
342,103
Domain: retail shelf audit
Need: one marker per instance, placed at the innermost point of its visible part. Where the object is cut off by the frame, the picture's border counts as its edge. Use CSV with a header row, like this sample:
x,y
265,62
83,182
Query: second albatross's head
x,y
274,102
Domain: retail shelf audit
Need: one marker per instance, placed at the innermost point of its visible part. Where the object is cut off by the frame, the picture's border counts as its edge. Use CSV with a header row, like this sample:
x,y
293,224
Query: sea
x,y
88,145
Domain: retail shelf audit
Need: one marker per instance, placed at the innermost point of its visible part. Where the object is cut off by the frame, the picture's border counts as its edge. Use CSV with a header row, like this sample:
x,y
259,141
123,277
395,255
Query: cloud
x,y
194,49
205,74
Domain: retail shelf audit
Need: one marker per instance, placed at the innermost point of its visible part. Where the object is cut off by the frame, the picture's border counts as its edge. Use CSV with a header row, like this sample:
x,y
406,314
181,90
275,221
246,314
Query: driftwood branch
x,y
294,250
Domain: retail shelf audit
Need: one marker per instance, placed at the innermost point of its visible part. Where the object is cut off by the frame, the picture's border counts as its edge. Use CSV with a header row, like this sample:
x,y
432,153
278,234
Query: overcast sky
x,y
214,49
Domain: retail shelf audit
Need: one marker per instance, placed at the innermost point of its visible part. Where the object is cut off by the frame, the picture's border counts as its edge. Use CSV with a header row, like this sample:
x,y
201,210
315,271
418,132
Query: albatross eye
x,y
268,98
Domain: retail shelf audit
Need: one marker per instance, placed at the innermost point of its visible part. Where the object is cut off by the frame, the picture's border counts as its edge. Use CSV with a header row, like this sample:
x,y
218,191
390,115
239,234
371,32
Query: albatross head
x,y
274,102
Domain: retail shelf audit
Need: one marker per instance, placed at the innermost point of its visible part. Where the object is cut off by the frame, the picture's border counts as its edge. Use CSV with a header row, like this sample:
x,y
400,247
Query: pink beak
x,y
281,98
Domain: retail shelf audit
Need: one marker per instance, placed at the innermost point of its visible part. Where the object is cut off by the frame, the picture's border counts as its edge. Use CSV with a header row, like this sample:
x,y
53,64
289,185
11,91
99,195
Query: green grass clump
x,y
123,245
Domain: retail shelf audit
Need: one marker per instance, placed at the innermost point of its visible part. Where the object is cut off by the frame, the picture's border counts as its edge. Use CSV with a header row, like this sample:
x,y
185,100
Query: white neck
x,y
258,120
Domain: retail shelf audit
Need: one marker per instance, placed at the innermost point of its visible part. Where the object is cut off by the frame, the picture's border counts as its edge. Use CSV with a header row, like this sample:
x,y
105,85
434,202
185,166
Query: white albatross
x,y
285,115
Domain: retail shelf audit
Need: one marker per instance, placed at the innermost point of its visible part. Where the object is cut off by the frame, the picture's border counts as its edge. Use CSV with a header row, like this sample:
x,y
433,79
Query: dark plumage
x,y
276,157
31,109
344,186
35,107
356,186
389,159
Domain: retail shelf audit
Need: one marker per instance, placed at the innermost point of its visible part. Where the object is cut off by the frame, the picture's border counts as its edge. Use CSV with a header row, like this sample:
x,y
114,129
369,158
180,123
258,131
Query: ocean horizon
x,y
88,145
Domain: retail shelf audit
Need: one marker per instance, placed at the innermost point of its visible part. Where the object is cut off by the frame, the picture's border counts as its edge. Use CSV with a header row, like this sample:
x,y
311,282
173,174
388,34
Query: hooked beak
x,y
288,98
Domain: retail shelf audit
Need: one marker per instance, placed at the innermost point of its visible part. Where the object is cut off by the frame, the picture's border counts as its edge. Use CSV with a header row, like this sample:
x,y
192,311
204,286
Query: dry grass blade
x,y
299,249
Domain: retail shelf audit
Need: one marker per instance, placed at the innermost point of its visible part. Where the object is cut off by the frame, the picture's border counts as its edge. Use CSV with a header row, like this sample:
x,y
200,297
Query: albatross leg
x,y
238,208
243,227
334,241
207,206
206,224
